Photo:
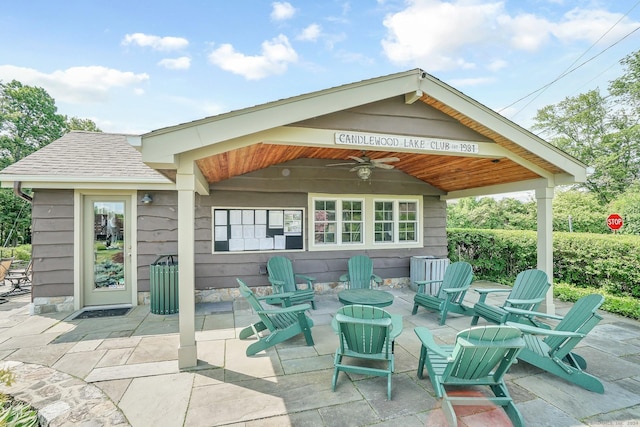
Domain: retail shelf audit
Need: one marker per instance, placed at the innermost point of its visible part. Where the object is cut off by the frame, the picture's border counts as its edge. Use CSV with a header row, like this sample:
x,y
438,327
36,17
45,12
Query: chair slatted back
x,y
581,318
360,272
255,304
364,329
530,284
483,352
457,275
281,268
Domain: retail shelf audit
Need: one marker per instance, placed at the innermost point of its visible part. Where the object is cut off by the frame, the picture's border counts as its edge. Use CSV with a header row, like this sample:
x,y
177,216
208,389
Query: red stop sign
x,y
614,221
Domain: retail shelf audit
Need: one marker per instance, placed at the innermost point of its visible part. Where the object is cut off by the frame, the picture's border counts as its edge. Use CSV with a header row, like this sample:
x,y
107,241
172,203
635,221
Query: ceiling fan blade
x,y
383,166
358,159
385,159
342,164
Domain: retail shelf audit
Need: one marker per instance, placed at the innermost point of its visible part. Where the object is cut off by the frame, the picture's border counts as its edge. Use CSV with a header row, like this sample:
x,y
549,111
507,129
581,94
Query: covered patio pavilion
x,y
441,137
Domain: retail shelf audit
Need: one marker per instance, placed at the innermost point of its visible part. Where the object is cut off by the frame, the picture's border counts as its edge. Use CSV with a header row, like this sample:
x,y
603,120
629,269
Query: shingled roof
x,y
87,156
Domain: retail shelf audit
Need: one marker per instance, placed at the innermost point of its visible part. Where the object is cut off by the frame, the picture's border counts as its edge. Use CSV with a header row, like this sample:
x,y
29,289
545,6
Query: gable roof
x,y
83,157
249,139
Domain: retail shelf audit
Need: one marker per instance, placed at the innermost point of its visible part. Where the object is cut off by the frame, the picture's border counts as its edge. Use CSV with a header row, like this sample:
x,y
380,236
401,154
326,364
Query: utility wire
x,y
569,70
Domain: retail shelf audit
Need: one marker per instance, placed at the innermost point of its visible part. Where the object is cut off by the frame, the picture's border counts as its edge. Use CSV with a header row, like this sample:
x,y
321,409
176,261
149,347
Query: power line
x,y
569,70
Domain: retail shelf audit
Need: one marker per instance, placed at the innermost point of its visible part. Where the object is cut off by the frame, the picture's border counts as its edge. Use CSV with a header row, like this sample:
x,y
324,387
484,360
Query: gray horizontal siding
x,y
52,243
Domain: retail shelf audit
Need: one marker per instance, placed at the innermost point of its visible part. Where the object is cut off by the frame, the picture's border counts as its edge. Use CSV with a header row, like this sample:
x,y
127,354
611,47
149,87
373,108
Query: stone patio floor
x,y
123,371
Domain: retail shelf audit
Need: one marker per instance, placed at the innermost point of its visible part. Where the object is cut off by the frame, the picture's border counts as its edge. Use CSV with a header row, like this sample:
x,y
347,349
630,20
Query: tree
x,y
28,121
628,206
581,209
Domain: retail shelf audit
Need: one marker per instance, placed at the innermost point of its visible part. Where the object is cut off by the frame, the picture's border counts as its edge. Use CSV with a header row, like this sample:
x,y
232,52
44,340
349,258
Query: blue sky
x,y
136,66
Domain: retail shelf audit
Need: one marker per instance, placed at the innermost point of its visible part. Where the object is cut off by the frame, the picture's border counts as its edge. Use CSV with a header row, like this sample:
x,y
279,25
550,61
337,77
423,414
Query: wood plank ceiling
x,y
446,172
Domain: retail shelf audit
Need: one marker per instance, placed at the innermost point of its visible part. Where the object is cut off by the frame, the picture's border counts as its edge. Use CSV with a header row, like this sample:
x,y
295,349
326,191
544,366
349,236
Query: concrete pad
x,y
155,349
45,355
307,364
215,334
158,400
26,341
406,396
88,345
119,342
115,357
349,414
263,398
114,389
79,364
132,371
625,417
576,401
539,413
239,367
208,377
218,321
599,365
211,352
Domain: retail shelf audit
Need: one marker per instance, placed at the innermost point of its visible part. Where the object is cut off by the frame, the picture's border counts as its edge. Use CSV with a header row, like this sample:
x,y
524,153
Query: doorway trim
x,y
80,252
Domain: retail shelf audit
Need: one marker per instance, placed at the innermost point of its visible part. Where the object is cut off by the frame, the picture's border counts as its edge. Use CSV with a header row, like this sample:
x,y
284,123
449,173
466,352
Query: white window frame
x,y
368,232
395,220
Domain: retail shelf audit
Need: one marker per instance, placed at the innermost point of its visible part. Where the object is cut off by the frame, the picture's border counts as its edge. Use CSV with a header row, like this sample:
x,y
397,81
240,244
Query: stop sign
x,y
614,221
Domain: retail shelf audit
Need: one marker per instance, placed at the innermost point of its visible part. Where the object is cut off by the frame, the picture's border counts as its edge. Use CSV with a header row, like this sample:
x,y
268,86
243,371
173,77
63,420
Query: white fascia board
x,y
498,189
67,182
501,125
255,119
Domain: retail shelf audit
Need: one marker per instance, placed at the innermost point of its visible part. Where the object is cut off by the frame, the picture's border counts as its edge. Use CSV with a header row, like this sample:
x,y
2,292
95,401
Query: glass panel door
x,y
106,269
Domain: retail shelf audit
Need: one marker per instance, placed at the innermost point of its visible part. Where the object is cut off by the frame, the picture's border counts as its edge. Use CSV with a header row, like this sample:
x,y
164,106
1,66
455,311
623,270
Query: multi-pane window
x,y
352,221
407,221
325,221
365,221
332,215
384,221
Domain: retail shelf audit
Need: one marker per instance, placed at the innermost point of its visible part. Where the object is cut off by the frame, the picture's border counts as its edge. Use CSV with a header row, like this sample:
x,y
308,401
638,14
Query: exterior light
x,y
147,199
364,173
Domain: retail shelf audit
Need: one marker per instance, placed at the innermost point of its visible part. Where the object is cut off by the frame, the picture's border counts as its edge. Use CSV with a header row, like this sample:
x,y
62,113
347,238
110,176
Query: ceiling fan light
x,y
364,173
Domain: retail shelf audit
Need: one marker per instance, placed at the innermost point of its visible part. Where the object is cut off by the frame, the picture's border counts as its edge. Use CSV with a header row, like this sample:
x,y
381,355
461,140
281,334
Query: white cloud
x,y
440,35
434,32
497,65
182,63
282,11
590,25
156,42
311,33
274,59
76,84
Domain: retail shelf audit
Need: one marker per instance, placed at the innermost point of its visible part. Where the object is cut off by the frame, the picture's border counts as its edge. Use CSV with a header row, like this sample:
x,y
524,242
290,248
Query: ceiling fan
x,y
364,165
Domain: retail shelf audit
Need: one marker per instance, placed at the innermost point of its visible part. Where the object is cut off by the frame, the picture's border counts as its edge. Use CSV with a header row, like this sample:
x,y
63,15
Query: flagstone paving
x,y
121,371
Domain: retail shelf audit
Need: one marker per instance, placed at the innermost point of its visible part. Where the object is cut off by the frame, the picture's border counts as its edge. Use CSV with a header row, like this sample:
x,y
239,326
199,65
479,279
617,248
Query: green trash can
x,y
163,284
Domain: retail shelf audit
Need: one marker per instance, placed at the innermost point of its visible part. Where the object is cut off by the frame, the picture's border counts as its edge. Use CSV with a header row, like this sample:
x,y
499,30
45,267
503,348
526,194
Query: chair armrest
x,y
278,285
284,296
487,291
376,279
284,310
484,292
523,301
427,340
455,290
522,312
344,278
532,330
422,283
306,278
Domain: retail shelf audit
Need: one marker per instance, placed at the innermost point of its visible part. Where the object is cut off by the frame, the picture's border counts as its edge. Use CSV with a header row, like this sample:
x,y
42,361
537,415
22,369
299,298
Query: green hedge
x,y
583,260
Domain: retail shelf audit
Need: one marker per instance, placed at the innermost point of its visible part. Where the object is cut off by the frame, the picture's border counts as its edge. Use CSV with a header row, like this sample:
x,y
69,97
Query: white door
x,y
107,249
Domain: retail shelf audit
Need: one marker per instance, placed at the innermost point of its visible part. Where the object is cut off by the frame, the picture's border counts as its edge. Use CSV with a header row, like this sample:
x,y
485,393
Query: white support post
x,y
544,198
187,351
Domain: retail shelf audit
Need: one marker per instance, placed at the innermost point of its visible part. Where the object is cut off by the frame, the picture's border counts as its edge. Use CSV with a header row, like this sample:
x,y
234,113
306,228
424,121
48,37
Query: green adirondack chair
x,y
283,279
480,357
450,297
282,323
360,275
554,353
365,333
527,293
